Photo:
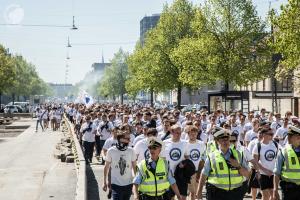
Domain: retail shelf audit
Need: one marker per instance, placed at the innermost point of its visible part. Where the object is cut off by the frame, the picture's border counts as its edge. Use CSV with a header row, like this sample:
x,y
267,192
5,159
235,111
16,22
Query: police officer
x,y
224,170
287,167
154,177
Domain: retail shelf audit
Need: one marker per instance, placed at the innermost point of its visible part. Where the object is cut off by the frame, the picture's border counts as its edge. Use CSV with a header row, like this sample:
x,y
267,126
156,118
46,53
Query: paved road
x,y
28,170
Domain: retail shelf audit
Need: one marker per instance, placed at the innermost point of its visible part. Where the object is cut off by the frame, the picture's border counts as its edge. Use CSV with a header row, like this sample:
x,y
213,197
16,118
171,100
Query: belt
x,y
147,197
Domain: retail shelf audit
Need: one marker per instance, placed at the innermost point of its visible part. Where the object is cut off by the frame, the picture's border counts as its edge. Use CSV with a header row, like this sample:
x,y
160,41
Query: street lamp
x,y
69,45
73,26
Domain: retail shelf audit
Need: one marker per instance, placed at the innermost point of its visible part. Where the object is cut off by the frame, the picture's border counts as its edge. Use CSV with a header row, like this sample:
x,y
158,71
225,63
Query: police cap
x,y
293,130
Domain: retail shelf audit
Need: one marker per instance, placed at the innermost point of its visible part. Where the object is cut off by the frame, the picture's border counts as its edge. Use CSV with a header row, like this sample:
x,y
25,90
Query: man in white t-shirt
x,y
282,132
88,139
265,154
174,153
195,151
122,161
275,125
252,134
103,133
141,148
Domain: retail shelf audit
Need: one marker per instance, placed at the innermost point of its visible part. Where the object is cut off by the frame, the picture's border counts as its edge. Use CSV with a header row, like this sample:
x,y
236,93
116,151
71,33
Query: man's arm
x,y
105,174
200,186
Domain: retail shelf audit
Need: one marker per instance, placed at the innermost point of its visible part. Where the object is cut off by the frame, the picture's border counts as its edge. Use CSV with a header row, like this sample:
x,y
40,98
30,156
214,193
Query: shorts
x,y
192,187
266,182
253,183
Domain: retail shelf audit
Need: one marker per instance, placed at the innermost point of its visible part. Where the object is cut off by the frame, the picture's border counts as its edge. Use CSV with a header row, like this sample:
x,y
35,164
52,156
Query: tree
x,y
154,60
7,71
229,44
115,76
287,36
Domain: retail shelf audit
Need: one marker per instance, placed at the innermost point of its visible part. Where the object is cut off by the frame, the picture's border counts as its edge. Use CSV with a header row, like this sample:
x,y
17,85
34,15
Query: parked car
x,y
23,105
13,109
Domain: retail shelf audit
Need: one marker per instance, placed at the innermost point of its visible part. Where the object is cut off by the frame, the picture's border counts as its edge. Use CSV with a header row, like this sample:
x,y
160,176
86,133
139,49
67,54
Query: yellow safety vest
x,y
154,185
211,147
291,168
221,176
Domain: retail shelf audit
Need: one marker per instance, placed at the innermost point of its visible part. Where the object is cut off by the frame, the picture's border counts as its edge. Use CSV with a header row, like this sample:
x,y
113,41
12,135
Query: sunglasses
x,y
233,141
126,138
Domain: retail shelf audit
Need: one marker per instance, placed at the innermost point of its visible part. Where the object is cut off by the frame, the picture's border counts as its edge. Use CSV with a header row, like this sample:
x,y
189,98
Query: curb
x,y
81,189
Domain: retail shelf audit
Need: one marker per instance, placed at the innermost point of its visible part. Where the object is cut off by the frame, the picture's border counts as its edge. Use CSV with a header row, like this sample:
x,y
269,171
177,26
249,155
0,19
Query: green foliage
x,y
151,66
7,71
287,36
115,76
18,77
229,44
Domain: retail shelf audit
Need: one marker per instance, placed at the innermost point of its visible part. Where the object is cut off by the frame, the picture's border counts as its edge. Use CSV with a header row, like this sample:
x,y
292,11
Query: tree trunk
x,y
122,99
152,97
179,88
0,101
13,98
226,86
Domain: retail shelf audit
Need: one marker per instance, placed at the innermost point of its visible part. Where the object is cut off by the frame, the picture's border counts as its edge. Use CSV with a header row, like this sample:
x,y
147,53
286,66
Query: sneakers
x,y
259,196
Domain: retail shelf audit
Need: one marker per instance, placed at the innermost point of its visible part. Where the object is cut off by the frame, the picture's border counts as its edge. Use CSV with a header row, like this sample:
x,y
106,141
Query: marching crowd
x,y
158,154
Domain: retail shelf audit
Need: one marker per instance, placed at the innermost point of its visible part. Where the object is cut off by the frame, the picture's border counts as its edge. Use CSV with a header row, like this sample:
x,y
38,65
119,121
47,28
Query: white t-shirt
x,y
44,114
250,135
238,130
196,152
162,135
88,136
121,165
282,134
246,153
138,138
275,126
110,142
267,156
248,126
174,152
104,132
141,150
252,144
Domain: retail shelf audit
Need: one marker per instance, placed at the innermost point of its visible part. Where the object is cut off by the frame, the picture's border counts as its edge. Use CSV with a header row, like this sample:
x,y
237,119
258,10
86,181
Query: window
x,y
287,84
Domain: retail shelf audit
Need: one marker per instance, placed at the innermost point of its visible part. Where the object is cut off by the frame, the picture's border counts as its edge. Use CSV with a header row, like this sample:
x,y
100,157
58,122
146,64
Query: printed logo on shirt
x,y
278,126
194,154
147,154
285,134
175,154
270,155
235,132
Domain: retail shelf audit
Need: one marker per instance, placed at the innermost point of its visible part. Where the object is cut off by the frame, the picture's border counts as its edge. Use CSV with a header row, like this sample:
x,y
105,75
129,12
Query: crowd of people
x,y
165,154
49,114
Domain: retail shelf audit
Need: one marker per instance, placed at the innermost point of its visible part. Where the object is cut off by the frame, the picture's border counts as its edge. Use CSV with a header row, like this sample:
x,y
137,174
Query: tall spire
x,y
102,57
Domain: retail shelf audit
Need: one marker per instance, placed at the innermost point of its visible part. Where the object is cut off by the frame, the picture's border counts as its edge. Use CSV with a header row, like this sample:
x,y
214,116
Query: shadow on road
x,y
92,185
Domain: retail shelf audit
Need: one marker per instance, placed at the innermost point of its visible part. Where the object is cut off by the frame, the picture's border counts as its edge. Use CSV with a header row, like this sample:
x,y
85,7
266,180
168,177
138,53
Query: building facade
x,y
146,24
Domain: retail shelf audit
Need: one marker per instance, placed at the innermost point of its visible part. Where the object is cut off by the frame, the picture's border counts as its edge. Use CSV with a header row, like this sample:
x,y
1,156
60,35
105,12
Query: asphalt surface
x,y
28,170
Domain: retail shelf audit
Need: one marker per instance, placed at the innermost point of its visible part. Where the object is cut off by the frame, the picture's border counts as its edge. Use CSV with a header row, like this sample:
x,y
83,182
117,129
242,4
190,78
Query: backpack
x,y
259,148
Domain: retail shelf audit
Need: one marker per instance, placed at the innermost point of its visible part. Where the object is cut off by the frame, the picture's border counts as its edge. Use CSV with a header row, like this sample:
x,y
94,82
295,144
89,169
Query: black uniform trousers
x,y
290,191
214,193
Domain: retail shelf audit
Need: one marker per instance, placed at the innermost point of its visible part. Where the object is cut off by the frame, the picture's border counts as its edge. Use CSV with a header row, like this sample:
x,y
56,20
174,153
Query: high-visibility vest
x,y
221,176
291,167
211,147
154,185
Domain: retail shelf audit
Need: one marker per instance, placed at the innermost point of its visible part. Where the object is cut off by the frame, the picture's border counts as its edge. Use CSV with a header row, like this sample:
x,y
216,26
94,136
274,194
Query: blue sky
x,y
104,26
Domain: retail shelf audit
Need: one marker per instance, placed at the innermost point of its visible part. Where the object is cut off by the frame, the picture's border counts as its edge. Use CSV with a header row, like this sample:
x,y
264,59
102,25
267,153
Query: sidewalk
x,y
28,170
